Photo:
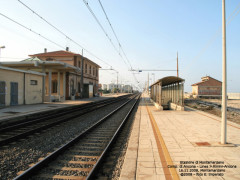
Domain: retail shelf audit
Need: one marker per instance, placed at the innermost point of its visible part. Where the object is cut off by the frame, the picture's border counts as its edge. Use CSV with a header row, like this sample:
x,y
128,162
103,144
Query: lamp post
x,y
1,47
224,79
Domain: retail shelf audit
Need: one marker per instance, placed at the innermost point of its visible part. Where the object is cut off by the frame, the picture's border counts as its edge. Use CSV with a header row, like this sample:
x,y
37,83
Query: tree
x,y
105,91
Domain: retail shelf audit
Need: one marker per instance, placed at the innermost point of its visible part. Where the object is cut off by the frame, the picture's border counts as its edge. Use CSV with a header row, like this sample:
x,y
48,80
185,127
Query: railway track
x,y
82,156
112,163
21,129
18,155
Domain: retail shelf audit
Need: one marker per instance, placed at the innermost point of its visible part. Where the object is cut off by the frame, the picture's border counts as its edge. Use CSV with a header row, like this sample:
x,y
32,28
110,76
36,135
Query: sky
x,y
150,32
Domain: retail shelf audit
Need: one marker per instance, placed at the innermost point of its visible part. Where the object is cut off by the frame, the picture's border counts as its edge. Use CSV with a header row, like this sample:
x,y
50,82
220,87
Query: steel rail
x,y
46,126
98,164
31,171
58,113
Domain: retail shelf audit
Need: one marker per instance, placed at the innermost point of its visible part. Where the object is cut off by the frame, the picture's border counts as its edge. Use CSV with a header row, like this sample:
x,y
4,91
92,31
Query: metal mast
x,y
224,79
177,65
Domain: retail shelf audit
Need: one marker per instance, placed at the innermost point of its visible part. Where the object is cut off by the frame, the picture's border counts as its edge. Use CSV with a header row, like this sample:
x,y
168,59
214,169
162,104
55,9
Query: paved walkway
x,y
153,152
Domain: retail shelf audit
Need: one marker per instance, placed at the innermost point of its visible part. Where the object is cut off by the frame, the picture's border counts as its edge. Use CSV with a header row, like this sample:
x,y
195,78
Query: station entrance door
x,y
86,91
2,93
14,93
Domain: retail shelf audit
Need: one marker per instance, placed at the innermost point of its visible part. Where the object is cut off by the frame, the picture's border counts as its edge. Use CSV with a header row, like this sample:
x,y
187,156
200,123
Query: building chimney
x,y
45,50
67,48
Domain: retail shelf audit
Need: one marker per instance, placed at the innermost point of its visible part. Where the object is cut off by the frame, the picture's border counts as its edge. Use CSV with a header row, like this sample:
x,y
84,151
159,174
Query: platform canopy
x,y
169,80
168,90
37,64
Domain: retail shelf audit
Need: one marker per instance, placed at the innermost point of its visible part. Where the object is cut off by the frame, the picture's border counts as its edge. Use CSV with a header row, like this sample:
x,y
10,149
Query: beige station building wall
x,y
33,93
194,90
90,75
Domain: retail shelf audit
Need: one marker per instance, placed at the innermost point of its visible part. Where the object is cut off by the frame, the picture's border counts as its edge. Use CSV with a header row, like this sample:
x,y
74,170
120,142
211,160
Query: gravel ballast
x,y
18,156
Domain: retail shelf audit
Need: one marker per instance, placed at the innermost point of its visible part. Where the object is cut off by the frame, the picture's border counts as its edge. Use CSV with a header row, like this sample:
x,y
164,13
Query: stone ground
x,y
191,136
233,116
230,103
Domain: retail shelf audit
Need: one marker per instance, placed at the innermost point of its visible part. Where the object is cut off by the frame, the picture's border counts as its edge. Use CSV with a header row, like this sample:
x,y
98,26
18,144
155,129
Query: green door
x,y
14,93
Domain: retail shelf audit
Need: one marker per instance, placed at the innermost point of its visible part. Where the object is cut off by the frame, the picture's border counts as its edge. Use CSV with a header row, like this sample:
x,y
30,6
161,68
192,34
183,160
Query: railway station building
x,y
20,87
63,74
208,88
168,93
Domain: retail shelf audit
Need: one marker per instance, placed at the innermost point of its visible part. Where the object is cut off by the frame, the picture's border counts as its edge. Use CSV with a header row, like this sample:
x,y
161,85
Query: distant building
x,y
127,89
208,87
121,87
111,87
104,86
233,95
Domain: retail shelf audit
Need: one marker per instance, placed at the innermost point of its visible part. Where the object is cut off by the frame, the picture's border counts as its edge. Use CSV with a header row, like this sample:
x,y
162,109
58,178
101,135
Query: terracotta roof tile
x,y
60,54
55,53
210,82
197,83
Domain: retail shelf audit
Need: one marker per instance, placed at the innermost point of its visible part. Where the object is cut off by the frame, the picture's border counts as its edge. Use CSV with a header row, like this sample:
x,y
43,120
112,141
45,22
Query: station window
x,y
79,64
54,86
49,59
96,72
33,82
90,70
93,71
79,87
86,68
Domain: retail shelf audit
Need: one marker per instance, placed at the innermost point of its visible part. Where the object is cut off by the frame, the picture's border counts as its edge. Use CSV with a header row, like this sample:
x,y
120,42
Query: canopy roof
x,y
169,80
32,59
37,65
19,70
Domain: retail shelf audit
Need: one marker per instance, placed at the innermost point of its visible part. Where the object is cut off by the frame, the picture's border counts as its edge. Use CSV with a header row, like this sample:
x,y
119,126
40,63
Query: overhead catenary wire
x,y
61,32
217,33
25,27
65,35
32,32
234,14
110,24
104,31
120,46
70,39
44,19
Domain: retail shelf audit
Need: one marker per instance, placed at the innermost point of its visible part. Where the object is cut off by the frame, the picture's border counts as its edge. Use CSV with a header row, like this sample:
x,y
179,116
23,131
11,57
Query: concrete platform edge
x,y
130,161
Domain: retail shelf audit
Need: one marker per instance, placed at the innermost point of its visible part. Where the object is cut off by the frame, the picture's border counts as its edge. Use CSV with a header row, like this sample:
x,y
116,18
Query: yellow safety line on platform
x,y
170,173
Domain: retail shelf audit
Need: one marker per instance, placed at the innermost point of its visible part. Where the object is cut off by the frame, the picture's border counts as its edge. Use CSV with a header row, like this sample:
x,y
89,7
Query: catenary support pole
x,y
148,84
177,65
50,84
117,82
224,79
43,83
64,86
58,87
81,85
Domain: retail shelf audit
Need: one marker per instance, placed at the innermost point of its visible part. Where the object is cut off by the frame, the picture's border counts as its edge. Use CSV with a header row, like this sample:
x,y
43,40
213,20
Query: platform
x,y
187,138
22,110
